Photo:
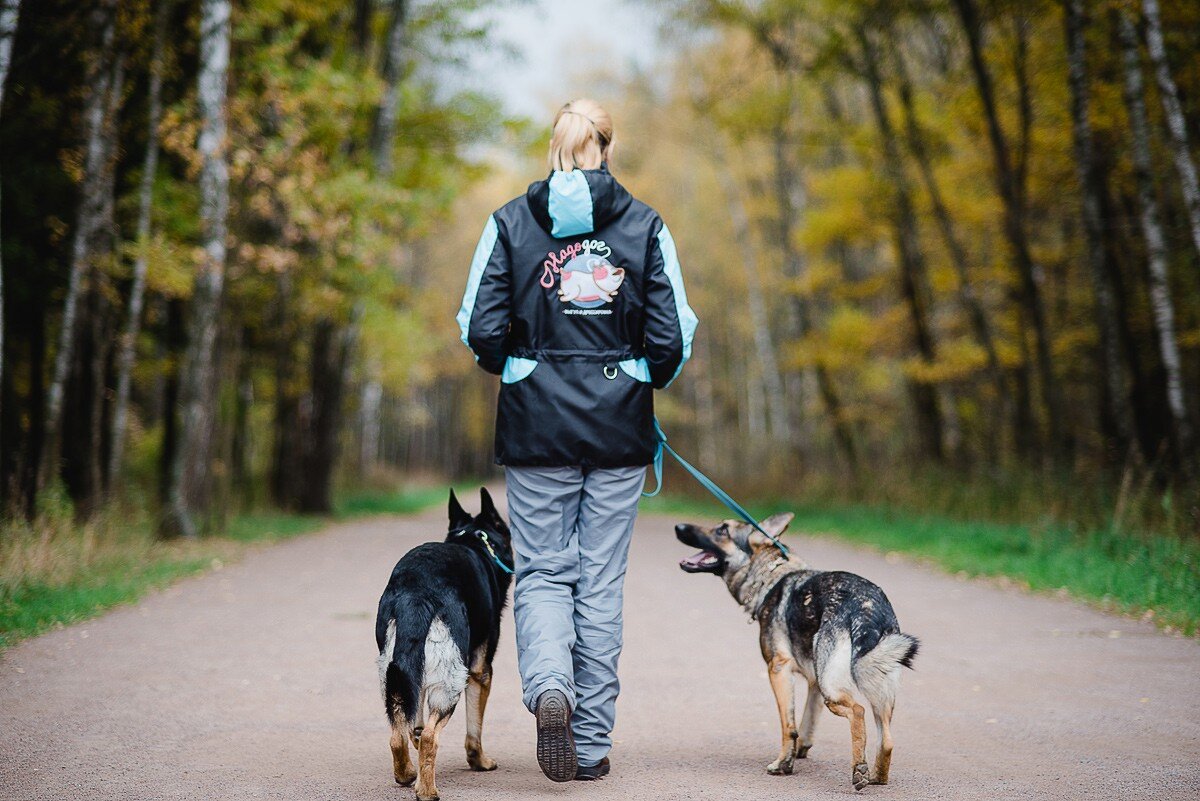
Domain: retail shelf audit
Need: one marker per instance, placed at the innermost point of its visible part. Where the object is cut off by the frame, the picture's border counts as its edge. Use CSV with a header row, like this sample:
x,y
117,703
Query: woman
x,y
576,300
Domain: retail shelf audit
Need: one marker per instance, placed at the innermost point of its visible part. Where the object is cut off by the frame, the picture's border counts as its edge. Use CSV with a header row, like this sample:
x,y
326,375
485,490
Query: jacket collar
x,y
577,202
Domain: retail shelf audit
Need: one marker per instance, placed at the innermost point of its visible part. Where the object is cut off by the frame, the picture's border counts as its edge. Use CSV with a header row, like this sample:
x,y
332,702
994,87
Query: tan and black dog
x,y
835,629
436,630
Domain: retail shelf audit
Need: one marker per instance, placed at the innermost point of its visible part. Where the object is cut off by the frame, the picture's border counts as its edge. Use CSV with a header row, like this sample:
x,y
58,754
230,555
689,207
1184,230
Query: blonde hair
x,y
582,137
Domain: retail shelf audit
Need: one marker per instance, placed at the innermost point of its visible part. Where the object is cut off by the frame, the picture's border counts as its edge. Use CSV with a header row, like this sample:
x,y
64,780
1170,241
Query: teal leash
x,y
704,481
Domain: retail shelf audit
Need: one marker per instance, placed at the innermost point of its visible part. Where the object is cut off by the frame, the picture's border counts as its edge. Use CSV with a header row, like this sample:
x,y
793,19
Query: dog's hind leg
x,y
479,686
835,677
808,723
402,766
779,670
845,706
427,756
883,760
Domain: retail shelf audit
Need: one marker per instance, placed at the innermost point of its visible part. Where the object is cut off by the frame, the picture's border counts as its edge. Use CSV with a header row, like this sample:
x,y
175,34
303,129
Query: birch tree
x,y
777,404
9,11
128,344
1007,179
1168,93
1075,26
189,464
91,205
1161,303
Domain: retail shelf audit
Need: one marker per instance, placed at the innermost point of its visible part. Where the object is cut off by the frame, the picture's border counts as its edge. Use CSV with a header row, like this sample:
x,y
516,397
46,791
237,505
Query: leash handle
x,y
706,482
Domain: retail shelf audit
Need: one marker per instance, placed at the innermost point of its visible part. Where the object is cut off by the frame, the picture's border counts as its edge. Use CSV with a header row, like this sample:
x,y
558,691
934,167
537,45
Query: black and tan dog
x,y
437,629
835,629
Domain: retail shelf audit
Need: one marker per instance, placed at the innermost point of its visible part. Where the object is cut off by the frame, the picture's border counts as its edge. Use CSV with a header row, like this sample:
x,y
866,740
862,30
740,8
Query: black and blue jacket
x,y
575,298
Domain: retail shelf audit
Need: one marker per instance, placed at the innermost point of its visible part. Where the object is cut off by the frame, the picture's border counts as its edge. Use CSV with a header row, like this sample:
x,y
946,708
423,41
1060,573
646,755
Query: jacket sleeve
x,y
483,318
670,321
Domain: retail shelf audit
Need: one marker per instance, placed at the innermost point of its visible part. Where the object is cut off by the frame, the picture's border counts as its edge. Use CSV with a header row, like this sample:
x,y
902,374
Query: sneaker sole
x,y
555,745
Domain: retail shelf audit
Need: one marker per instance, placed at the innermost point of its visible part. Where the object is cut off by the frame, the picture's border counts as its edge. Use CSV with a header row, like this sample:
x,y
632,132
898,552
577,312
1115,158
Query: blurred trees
x,y
196,273
967,240
934,245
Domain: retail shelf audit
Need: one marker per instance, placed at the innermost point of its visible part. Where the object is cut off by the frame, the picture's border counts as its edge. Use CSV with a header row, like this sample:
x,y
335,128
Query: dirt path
x,y
258,681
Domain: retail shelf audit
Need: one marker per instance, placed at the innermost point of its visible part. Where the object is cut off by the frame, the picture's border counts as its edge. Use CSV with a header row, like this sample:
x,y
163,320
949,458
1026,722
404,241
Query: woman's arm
x,y
483,317
670,321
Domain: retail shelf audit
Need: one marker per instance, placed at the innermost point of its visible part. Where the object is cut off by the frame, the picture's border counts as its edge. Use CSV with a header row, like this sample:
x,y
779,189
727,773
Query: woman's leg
x,y
543,509
607,511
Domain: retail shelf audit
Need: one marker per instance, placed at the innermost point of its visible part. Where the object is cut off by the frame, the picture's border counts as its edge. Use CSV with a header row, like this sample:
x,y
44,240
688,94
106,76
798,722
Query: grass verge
x,y
1156,575
54,572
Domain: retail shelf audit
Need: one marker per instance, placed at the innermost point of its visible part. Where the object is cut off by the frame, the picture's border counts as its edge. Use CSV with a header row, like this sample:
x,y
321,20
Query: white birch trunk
x,y
188,467
1176,124
91,206
389,105
9,11
777,409
1156,247
137,292
1075,23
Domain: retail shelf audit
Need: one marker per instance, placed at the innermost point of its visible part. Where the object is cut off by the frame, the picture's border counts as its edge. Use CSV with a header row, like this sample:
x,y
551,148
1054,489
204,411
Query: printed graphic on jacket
x,y
587,279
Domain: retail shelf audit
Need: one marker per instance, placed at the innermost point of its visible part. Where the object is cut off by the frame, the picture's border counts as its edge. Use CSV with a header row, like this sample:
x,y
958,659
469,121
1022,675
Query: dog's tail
x,y
877,672
892,650
402,665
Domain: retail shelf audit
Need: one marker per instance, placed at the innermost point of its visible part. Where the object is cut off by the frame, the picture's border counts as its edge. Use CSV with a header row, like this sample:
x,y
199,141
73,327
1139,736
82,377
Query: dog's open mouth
x,y
702,562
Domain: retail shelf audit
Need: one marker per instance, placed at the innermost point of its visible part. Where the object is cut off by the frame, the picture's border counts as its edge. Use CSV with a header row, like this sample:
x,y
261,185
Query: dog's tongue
x,y
699,561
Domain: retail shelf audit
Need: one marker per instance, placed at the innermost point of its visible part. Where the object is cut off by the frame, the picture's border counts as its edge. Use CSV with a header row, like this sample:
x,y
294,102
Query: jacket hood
x,y
576,202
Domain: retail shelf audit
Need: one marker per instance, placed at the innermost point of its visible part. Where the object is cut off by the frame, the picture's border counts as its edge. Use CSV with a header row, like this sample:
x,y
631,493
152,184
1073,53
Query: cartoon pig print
x,y
600,283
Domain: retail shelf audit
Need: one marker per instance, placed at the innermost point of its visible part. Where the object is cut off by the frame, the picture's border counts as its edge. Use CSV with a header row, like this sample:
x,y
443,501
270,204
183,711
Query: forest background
x,y
945,253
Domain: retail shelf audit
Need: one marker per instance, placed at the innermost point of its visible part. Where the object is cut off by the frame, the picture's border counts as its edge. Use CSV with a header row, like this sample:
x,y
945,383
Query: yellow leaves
x,y
170,266
840,212
957,359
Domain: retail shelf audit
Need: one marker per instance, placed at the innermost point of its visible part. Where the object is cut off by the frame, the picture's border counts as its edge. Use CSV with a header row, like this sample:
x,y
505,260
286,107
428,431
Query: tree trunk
x,y
789,198
776,400
331,350
908,250
9,11
1091,190
188,472
137,292
370,408
91,202
1176,123
1156,247
1008,186
391,70
954,247
174,341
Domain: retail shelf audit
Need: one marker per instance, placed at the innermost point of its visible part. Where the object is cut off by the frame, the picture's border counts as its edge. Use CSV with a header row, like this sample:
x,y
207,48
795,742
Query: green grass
x,y
1121,571
55,573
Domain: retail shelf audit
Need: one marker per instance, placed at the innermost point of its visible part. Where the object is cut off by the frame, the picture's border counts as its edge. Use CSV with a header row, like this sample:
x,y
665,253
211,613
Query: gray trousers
x,y
570,531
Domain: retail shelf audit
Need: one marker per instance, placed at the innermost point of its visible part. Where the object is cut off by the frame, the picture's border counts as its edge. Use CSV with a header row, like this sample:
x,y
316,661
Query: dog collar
x,y
487,543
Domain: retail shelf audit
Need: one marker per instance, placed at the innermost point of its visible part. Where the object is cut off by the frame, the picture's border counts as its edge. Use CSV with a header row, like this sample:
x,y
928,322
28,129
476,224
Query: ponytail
x,y
582,137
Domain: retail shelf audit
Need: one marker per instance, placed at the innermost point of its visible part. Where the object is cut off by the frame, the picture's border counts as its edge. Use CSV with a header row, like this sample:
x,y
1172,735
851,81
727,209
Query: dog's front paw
x,y
861,777
780,767
802,751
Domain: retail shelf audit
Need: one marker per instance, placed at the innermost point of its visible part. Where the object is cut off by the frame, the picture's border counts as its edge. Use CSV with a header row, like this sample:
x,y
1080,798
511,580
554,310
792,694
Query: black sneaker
x,y
555,743
590,773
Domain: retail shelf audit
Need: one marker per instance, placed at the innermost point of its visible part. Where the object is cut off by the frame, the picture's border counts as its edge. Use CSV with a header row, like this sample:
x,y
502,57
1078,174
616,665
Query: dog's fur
x,y
835,629
437,629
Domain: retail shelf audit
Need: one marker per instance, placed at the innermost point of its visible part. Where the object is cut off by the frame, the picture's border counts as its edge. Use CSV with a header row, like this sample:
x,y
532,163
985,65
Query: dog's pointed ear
x,y
487,508
775,525
459,516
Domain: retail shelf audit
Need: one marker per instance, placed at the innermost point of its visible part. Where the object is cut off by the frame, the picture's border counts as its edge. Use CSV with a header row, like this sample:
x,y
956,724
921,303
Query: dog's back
x,y
423,630
844,626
